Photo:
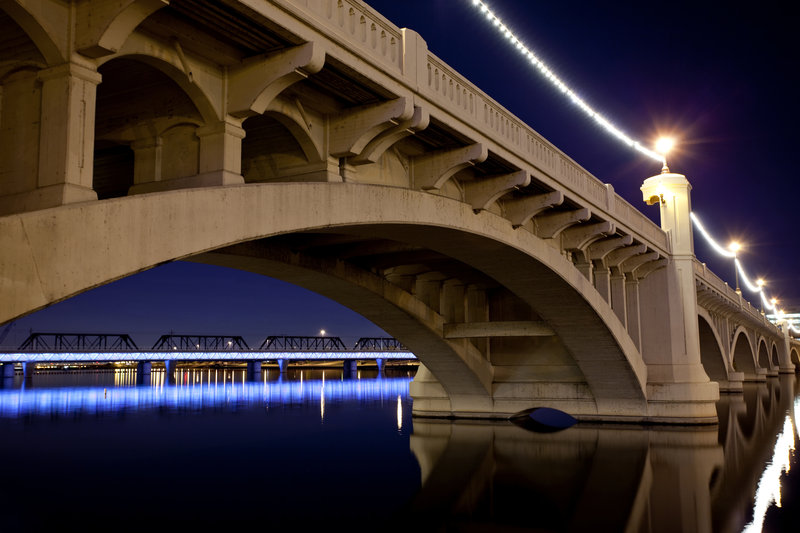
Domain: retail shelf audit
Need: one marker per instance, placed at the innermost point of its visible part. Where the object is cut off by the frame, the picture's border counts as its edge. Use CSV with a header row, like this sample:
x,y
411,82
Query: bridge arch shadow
x,y
743,357
711,351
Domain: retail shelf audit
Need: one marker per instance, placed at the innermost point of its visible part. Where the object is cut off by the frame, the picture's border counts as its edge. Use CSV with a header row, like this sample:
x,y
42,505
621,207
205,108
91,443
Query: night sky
x,y
723,81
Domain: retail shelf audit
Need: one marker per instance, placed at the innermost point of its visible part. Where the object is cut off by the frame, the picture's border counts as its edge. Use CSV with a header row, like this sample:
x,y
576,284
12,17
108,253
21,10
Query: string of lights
x,y
608,126
758,287
548,73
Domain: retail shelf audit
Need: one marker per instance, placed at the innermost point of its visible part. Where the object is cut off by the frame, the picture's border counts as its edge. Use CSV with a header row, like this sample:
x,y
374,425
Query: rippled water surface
x,y
312,450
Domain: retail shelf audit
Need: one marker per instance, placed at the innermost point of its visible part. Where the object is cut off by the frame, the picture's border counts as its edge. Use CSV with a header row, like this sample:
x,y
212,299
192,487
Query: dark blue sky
x,y
723,80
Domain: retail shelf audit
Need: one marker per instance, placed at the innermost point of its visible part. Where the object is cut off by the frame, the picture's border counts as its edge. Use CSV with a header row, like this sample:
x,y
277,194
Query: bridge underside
x,y
501,320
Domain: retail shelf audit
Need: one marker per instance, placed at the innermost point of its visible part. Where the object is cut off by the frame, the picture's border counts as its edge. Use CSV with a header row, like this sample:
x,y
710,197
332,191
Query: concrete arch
x,y
103,241
292,120
776,361
742,356
173,70
106,29
711,349
763,354
16,68
391,308
31,25
794,356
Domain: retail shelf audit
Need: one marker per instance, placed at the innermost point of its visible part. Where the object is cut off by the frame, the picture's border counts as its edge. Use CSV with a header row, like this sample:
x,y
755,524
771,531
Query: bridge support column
x,y
9,370
784,354
618,305
602,282
283,365
28,369
170,369
350,368
60,106
221,153
677,384
254,371
632,310
143,372
381,365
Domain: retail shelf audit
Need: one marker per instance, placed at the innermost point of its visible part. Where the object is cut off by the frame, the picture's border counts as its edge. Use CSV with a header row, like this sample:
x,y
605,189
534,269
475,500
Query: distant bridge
x,y
317,143
49,348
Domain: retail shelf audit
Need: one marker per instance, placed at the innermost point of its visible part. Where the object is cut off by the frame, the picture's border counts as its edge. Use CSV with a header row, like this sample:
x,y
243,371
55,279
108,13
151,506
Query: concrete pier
x,y
170,367
283,365
253,370
144,373
380,363
350,367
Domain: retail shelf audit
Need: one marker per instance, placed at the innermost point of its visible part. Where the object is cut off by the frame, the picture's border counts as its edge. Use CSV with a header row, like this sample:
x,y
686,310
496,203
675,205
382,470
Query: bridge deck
x,y
94,357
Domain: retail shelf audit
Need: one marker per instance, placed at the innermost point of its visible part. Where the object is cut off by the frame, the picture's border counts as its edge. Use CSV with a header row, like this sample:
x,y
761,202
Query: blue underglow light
x,y
16,403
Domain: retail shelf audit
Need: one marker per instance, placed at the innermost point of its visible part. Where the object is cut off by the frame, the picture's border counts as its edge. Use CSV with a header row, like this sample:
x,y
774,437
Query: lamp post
x,y
735,247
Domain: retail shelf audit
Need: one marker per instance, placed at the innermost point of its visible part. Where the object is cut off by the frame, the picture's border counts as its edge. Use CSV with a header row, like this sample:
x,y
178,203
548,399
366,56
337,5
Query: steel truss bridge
x,y
95,348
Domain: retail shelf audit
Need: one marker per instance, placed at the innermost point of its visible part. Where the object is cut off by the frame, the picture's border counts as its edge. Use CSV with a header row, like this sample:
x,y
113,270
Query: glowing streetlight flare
x,y
664,145
734,247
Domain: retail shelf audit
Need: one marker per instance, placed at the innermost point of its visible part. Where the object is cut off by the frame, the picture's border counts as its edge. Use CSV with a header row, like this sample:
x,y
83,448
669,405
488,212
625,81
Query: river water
x,y
310,450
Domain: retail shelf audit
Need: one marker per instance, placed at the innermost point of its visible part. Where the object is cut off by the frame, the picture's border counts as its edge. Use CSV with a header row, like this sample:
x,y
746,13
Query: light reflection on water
x,y
195,390
350,440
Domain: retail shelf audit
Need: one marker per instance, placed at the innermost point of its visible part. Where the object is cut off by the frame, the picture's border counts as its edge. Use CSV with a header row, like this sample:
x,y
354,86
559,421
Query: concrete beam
x,y
580,236
520,211
614,258
598,250
482,193
353,130
101,28
551,225
432,170
257,81
634,262
386,139
648,268
497,329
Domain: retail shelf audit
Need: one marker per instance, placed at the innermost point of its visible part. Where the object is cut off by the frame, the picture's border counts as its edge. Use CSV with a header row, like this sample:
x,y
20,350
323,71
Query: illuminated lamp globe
x,y
734,247
664,145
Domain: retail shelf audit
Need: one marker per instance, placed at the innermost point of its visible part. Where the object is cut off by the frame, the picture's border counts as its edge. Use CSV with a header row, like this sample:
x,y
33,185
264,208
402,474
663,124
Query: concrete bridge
x,y
315,142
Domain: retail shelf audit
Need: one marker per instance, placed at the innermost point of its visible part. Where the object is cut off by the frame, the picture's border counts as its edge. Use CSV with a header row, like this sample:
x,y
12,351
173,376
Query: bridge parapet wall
x,y
729,297
368,35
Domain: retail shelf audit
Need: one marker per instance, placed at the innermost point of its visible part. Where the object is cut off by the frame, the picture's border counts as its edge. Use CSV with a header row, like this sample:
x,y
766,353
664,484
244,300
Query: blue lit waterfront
x,y
309,449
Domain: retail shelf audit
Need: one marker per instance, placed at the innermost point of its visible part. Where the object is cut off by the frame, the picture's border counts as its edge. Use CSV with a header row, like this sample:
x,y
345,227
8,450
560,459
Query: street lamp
x,y
663,147
735,247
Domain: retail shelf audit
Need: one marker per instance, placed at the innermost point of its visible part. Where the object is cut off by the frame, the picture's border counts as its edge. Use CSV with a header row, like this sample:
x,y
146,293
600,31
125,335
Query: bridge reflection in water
x,y
587,478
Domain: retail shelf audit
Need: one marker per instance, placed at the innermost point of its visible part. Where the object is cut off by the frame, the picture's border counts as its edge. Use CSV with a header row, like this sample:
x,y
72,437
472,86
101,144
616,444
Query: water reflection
x,y
612,478
495,475
195,390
